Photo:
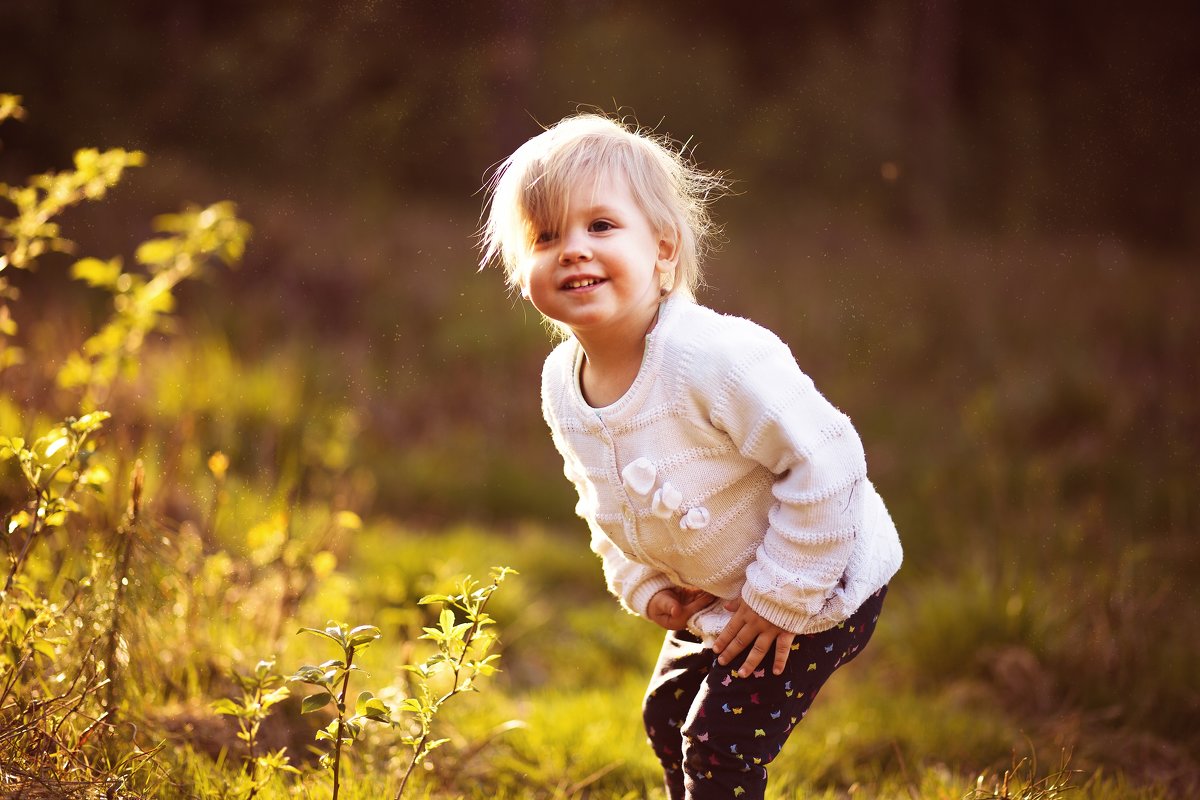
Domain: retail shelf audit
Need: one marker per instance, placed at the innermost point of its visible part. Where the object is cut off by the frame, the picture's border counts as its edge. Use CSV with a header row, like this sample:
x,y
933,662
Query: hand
x,y
747,628
672,608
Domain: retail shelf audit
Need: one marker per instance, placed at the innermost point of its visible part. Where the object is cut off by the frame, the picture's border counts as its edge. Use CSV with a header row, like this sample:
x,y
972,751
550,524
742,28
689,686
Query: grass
x,y
1028,416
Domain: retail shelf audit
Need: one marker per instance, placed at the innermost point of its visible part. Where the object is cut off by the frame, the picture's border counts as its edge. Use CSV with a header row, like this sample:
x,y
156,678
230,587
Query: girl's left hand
x,y
747,628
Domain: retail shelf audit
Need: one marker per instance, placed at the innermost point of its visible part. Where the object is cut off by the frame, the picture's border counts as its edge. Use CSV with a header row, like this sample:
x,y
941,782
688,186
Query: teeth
x,y
581,283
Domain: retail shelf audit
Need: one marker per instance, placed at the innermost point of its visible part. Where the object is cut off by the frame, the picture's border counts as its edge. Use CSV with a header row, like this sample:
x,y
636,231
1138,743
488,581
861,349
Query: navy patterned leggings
x,y
715,732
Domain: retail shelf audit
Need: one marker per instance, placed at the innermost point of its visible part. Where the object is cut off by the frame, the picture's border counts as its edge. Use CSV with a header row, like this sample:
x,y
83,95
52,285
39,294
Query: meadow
x,y
274,461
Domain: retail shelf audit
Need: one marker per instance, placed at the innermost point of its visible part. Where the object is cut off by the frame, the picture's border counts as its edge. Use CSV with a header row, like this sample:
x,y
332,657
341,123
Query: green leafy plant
x,y
261,690
59,685
332,678
31,232
54,467
141,302
463,647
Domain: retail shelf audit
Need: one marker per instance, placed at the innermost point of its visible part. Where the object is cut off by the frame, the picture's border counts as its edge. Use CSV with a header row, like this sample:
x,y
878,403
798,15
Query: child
x,y
727,499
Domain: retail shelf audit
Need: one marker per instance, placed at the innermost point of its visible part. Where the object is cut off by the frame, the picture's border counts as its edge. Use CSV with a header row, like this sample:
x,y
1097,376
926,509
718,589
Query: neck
x,y
612,361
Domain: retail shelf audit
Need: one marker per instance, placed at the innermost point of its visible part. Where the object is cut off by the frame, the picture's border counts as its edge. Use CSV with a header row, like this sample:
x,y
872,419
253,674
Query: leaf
x,y
55,446
363,635
157,251
76,372
271,698
8,327
97,273
308,674
44,648
413,705
226,706
19,520
95,476
89,423
348,520
378,711
315,702
332,633
323,564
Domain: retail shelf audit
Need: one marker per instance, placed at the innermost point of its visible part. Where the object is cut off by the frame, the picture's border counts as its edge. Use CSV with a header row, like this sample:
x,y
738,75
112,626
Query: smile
x,y
582,283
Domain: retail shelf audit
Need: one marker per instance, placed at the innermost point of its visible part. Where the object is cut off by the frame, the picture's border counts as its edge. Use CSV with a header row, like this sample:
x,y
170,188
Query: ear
x,y
668,251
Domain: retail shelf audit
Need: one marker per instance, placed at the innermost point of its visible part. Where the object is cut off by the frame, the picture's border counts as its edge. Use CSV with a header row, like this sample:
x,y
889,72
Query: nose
x,y
575,248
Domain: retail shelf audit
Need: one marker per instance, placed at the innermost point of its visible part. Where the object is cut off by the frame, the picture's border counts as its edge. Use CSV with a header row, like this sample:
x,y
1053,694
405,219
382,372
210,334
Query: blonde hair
x,y
528,192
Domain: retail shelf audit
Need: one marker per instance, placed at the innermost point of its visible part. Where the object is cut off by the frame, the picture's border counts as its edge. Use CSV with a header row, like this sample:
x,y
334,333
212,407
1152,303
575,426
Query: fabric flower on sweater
x,y
695,519
666,502
639,476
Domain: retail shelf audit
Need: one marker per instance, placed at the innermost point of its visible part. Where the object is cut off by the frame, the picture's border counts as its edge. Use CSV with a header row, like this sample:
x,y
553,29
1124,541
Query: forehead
x,y
550,197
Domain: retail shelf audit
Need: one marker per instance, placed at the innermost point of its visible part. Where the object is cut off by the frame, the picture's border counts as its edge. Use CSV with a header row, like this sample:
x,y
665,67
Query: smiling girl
x,y
727,498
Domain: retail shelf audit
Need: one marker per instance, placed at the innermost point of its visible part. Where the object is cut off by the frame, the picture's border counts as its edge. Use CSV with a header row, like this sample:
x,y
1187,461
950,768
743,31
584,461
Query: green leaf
x,y
413,705
309,674
55,446
226,706
97,273
89,423
378,711
363,635
44,648
331,633
278,695
157,251
76,372
315,702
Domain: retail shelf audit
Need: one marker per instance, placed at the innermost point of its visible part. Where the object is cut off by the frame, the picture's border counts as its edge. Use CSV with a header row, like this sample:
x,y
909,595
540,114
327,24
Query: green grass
x,y
1028,417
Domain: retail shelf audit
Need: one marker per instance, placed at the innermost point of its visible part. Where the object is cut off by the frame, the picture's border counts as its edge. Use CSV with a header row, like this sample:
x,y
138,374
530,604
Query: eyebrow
x,y
599,210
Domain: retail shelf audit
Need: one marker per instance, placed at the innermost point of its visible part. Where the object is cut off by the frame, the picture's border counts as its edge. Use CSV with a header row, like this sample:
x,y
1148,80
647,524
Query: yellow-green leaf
x,y
96,272
157,251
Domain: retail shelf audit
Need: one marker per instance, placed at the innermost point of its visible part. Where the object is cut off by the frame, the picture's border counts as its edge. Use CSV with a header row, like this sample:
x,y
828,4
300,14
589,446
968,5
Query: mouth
x,y
575,284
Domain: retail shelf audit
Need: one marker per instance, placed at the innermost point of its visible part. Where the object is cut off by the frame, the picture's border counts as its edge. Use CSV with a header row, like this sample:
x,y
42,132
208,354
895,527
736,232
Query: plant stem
x,y
337,742
125,533
34,530
251,747
468,638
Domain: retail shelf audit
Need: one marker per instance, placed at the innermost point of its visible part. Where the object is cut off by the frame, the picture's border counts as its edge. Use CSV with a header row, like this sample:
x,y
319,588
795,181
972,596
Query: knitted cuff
x,y
639,598
790,619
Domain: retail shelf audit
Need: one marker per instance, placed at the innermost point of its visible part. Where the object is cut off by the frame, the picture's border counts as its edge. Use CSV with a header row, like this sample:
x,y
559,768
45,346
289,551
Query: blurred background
x,y
977,226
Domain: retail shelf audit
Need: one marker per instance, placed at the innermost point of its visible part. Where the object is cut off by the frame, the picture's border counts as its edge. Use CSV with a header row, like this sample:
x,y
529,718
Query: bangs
x,y
546,185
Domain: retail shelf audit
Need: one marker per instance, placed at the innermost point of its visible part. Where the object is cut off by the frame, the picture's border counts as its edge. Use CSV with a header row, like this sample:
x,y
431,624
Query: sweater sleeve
x,y
775,416
632,583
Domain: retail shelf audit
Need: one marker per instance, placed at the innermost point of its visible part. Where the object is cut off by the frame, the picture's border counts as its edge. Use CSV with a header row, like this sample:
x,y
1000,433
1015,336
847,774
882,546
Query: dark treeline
x,y
1025,118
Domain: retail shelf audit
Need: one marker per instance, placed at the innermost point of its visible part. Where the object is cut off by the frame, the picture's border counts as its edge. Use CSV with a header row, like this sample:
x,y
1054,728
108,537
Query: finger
x,y
737,644
734,604
667,608
761,646
698,604
783,646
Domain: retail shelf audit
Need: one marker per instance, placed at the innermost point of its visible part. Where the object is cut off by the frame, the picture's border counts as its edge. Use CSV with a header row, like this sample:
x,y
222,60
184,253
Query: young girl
x,y
727,498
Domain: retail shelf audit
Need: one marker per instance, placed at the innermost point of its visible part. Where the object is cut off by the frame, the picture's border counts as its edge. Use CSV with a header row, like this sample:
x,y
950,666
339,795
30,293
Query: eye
x,y
602,225
544,237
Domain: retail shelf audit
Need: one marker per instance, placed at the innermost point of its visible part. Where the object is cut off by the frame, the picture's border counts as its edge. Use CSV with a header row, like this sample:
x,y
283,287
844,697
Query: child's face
x,y
600,274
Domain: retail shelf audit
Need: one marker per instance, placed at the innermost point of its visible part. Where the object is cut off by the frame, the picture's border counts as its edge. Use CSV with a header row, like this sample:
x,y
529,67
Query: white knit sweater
x,y
723,468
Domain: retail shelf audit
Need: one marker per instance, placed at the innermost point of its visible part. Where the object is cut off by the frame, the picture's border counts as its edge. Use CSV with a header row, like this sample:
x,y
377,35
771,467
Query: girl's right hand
x,y
672,608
